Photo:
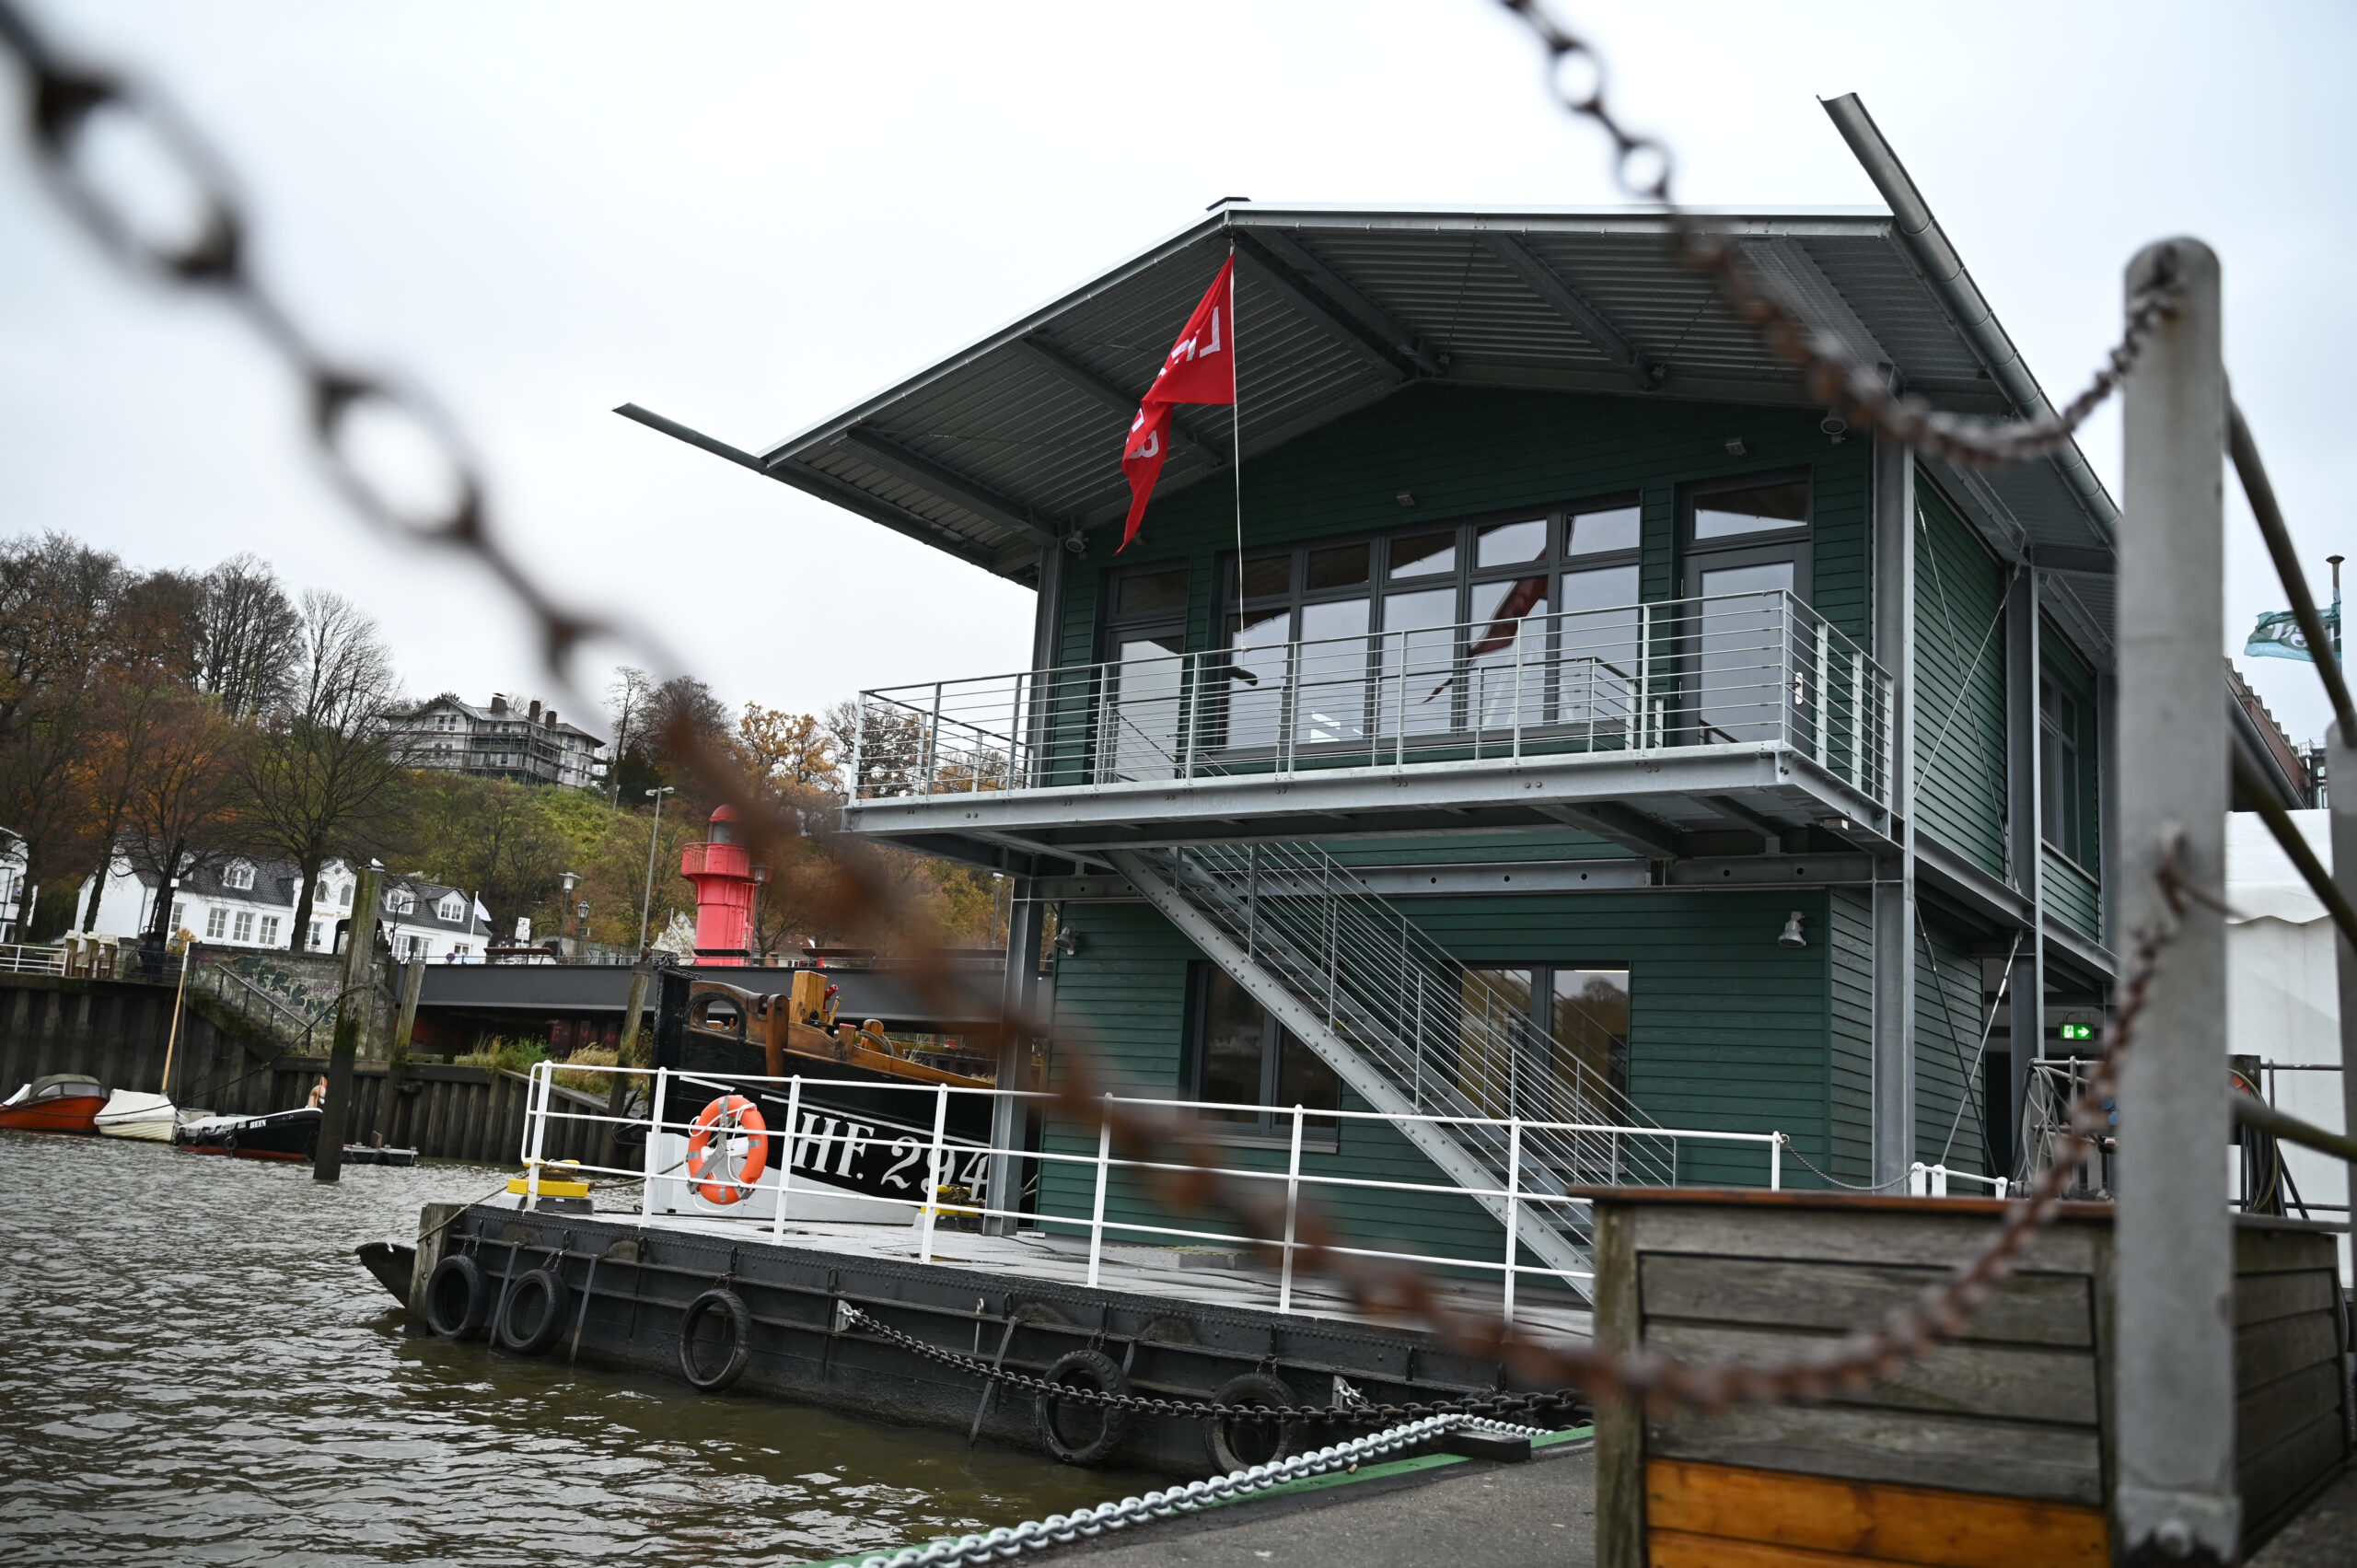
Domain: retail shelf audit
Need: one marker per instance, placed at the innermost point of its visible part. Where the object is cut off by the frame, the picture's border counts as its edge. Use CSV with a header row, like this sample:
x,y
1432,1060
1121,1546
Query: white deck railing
x,y
1735,670
937,1156
20,958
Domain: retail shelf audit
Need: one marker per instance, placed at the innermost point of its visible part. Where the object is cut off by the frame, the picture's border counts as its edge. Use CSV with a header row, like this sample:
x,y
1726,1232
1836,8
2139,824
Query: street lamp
x,y
654,836
567,882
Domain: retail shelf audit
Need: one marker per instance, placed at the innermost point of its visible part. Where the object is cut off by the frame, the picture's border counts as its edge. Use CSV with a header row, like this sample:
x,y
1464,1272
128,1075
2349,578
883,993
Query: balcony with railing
x,y
1752,698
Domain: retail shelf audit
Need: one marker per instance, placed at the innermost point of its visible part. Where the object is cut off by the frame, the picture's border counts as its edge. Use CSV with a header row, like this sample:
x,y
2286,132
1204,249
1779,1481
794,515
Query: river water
x,y
193,1368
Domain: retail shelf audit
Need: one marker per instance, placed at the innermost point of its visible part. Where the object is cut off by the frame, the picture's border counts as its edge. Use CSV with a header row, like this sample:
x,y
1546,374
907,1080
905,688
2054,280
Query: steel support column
x,y
1026,918
1894,904
2341,781
2025,819
1018,999
2174,1352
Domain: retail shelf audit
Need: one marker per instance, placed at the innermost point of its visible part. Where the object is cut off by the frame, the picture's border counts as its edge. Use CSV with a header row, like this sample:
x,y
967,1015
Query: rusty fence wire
x,y
68,100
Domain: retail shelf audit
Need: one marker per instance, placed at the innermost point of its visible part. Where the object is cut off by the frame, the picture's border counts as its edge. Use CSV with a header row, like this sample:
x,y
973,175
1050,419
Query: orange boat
x,y
63,1102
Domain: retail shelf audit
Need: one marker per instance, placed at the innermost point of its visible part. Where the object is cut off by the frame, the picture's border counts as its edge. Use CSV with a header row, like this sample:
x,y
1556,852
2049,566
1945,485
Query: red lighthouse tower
x,y
722,873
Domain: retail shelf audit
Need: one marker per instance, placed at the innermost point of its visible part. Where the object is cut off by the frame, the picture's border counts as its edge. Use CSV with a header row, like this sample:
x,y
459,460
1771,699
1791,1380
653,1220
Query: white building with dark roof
x,y
250,901
512,738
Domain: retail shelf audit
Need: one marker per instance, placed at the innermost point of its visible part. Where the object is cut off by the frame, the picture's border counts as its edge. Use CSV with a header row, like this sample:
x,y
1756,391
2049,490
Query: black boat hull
x,y
281,1136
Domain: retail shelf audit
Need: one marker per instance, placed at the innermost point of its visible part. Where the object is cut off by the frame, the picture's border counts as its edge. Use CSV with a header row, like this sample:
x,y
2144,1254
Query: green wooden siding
x,y
1849,956
1959,687
1948,1014
1466,452
2072,892
1729,1031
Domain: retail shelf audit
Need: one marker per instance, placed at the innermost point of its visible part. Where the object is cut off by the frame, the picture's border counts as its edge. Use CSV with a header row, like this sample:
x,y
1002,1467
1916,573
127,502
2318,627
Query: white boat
x,y
130,1114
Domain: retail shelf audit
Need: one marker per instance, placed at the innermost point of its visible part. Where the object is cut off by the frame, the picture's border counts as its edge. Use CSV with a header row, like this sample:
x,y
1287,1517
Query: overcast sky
x,y
747,217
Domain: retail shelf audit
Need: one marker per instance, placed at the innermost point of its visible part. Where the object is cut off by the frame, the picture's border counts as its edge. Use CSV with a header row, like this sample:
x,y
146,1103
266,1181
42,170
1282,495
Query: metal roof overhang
x,y
1013,444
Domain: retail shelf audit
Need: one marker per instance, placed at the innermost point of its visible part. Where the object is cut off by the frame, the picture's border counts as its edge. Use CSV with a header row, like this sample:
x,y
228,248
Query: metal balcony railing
x,y
1738,670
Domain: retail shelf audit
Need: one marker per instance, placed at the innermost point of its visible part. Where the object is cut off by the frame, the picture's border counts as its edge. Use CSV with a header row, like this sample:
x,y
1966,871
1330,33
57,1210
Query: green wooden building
x,y
1555,714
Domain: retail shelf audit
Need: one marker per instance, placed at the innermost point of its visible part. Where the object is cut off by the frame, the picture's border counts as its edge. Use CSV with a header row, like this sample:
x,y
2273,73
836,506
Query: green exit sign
x,y
2078,1031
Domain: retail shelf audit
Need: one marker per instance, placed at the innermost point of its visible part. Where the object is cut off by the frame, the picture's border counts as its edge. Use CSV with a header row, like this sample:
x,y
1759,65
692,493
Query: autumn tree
x,y
184,813
318,776
57,598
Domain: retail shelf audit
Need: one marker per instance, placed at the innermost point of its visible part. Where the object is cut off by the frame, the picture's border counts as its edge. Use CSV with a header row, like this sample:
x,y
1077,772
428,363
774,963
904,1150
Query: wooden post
x,y
634,1011
413,986
351,1023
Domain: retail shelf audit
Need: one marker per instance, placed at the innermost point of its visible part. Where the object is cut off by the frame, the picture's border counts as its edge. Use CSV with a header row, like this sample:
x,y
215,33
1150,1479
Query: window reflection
x,y
1596,533
1413,694
1760,508
1331,676
1423,554
1507,657
1509,544
1255,677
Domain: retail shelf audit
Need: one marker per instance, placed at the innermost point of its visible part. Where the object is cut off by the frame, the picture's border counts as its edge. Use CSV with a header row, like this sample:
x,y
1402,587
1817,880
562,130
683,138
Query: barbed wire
x,y
1644,167
855,891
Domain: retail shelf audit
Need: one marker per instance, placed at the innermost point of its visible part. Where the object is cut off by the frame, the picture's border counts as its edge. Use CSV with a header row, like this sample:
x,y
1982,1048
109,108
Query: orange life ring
x,y
721,1129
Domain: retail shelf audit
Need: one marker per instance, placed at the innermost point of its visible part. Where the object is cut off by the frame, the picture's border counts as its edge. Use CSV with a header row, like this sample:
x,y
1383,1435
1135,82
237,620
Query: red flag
x,y
1199,368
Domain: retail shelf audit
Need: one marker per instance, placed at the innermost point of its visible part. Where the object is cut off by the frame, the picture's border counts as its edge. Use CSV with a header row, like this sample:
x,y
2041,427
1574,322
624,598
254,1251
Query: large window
x,y
244,929
217,924
1243,1057
1433,631
2062,803
1584,1007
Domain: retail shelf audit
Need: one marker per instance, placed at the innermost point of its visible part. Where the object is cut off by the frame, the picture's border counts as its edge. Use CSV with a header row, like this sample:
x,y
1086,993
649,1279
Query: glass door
x,y
1747,547
1143,704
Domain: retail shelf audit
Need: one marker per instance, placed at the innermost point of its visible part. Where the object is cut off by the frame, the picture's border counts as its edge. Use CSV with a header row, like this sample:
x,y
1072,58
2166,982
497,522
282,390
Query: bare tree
x,y
319,772
248,635
626,702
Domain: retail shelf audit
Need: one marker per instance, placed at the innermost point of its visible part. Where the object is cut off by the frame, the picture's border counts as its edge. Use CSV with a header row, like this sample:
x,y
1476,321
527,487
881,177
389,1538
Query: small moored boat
x,y
130,1114
281,1135
62,1103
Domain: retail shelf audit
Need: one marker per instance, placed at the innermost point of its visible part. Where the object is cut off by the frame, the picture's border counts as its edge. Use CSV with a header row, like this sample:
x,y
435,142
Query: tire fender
x,y
1251,1388
1087,1369
740,1325
533,1317
457,1301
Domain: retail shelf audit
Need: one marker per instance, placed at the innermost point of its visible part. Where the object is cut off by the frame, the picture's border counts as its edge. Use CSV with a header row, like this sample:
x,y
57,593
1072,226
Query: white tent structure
x,y
2282,997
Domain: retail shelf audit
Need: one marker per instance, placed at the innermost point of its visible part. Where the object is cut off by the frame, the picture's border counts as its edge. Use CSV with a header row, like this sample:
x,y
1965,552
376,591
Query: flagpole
x,y
1236,424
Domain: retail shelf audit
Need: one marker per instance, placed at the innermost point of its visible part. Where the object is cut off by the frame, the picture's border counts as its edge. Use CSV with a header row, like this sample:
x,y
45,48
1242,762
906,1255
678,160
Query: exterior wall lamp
x,y
1792,936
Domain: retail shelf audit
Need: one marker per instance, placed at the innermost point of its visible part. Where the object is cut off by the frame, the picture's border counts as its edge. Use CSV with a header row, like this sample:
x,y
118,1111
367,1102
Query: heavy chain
x,y
1064,1529
861,895
1362,1413
1644,169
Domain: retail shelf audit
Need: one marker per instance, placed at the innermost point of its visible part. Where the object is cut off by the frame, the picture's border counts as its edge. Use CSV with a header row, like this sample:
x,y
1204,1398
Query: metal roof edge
x,y
1260,215
1022,326
1943,269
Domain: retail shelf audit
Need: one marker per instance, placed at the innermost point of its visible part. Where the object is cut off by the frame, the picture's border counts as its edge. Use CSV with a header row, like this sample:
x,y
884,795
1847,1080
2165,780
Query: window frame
x,y
2065,796
1796,545
1320,1133
1462,578
238,876
1542,972
216,923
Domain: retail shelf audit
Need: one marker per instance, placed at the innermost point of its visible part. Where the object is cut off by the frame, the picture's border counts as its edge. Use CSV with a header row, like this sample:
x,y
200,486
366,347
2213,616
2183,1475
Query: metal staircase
x,y
1411,1031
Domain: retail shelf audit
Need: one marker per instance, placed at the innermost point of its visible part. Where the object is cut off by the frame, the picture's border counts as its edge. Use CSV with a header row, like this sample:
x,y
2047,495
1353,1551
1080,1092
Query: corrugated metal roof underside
x,y
1014,442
